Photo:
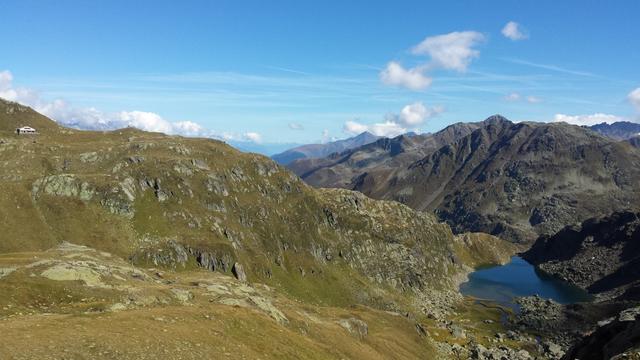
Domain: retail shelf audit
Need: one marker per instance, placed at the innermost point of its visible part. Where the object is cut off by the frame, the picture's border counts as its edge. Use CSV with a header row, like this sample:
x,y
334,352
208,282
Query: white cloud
x,y
387,128
188,128
415,114
253,136
533,99
6,78
395,74
410,117
513,31
354,127
453,51
325,136
587,120
92,118
512,97
145,120
634,98
295,126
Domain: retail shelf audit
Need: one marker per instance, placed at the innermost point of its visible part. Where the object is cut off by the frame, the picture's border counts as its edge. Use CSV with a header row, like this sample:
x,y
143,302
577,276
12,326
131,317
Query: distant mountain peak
x,y
496,119
326,149
620,130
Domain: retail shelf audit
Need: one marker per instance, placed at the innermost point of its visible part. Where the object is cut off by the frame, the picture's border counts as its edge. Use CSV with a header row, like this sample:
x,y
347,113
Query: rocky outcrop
x,y
238,272
62,185
601,255
355,327
615,338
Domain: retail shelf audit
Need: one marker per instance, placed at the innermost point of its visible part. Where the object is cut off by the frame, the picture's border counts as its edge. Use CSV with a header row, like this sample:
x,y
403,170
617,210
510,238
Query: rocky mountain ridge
x,y
339,169
512,180
620,130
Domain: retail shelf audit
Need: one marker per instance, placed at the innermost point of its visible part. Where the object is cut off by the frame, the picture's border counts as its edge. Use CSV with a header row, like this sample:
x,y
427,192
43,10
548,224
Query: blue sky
x,y
306,71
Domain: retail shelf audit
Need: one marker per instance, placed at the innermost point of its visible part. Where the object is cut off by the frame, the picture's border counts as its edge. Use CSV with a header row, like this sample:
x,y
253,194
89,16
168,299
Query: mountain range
x,y
322,150
514,180
621,130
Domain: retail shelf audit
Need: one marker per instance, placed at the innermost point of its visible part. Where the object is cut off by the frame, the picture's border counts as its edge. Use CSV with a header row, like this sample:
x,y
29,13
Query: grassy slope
x,y
328,248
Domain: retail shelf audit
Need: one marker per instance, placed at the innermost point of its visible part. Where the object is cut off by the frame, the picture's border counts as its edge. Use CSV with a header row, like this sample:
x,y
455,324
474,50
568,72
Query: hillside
x,y
338,169
601,255
512,180
117,229
322,150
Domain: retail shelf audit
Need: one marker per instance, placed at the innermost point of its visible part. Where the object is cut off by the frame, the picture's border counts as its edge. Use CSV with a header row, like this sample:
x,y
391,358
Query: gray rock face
x,y
171,255
238,272
619,339
89,157
63,185
601,255
355,327
480,352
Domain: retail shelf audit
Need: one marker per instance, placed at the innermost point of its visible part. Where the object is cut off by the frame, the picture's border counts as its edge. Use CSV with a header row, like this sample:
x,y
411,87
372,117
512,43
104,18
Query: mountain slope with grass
x,y
111,228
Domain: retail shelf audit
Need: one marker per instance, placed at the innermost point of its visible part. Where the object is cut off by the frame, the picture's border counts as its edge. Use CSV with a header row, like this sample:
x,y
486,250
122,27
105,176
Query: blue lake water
x,y
519,278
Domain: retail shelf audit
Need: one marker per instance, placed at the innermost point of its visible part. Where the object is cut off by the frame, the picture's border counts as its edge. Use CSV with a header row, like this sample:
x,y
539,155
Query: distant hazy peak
x,y
326,149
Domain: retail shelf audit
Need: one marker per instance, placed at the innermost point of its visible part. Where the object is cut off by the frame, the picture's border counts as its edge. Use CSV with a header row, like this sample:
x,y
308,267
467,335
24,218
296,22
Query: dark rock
x,y
601,255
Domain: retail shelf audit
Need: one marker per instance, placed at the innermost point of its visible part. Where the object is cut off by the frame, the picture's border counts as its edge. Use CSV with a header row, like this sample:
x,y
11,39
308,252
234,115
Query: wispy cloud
x,y
549,67
292,71
634,98
588,120
295,126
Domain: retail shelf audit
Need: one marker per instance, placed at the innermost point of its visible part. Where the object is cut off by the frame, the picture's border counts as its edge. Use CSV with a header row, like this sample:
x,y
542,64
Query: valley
x,y
322,180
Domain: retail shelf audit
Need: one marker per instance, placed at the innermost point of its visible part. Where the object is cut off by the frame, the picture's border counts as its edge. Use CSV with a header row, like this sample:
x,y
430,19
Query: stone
x,y
200,164
89,157
183,296
238,272
128,186
629,314
266,306
458,332
136,159
6,271
76,271
355,327
553,350
117,307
